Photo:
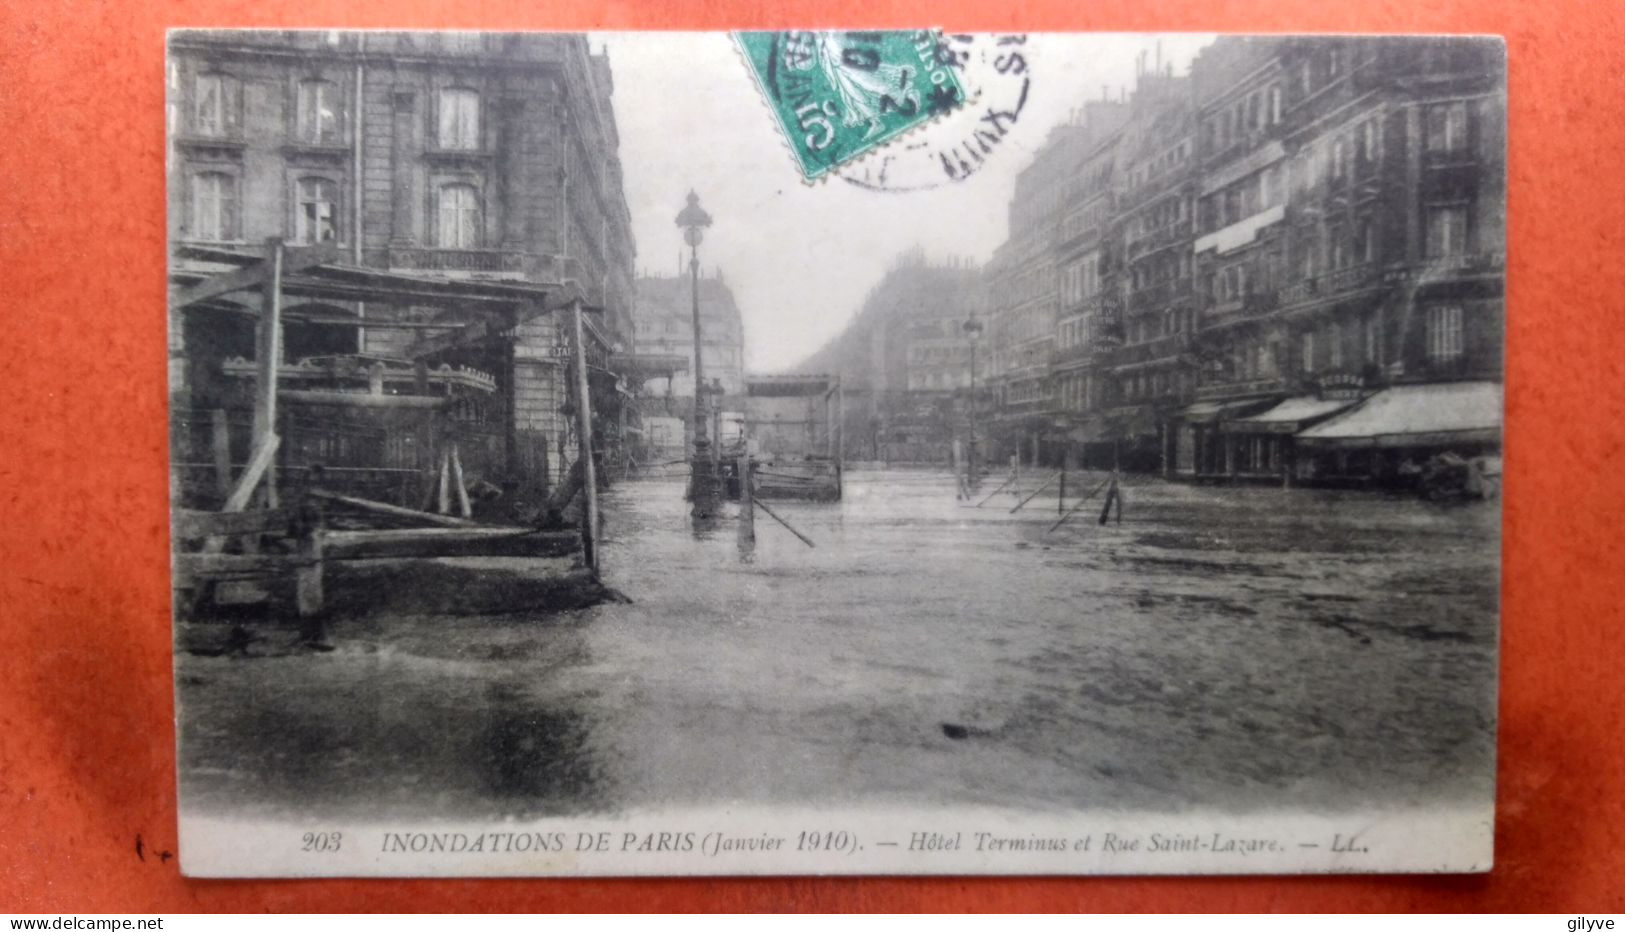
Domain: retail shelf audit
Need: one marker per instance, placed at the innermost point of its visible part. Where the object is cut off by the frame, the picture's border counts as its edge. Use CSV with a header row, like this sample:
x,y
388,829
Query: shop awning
x,y
1206,412
1416,416
1290,416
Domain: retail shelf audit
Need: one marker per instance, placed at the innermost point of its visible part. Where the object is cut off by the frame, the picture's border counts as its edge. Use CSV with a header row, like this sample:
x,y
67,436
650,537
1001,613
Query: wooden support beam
x,y
1047,483
196,525
264,456
236,565
268,356
473,332
393,511
775,516
450,542
589,472
747,504
294,259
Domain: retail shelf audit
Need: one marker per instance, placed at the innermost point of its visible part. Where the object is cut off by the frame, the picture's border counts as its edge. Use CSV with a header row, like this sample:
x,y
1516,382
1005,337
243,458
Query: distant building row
x,y
1304,234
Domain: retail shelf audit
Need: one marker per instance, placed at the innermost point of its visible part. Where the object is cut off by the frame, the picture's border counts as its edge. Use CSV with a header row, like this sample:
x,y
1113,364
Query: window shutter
x,y
231,105
437,222
228,208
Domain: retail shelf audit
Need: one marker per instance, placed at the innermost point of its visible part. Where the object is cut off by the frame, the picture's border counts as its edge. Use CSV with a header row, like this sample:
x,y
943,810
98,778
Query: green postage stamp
x,y
838,95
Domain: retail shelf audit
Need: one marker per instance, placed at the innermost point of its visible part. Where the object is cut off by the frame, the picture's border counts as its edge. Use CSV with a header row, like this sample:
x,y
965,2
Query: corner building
x,y
449,155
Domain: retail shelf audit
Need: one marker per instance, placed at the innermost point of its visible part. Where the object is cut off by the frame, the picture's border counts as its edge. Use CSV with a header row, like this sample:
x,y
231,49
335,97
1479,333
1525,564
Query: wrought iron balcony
x,y
1334,282
511,263
1164,347
1162,237
1159,296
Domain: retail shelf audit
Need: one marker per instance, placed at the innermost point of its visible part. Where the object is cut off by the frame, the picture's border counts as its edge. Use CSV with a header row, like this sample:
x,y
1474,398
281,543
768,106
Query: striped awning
x,y
1440,414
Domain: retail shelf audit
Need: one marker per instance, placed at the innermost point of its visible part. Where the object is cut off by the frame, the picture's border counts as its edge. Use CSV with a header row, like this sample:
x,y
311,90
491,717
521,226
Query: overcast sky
x,y
800,258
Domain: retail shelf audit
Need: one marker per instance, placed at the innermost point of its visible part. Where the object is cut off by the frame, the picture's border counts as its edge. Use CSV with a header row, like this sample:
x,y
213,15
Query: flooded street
x,y
1223,647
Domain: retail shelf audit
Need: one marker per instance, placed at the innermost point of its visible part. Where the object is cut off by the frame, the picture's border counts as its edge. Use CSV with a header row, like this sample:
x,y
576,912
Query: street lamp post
x,y
973,331
702,490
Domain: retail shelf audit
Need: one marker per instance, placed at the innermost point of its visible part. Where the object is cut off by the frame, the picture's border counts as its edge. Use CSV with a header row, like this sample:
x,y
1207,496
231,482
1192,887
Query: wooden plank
x,y
295,260
268,356
264,455
775,516
237,565
394,511
589,473
1047,483
193,525
449,542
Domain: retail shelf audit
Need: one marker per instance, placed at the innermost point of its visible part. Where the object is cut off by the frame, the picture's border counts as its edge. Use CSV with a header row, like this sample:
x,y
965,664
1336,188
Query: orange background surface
x,y
86,714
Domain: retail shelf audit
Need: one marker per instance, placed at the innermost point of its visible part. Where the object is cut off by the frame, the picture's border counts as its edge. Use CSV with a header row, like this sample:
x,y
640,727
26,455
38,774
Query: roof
x,y
1204,411
1289,415
1417,415
326,278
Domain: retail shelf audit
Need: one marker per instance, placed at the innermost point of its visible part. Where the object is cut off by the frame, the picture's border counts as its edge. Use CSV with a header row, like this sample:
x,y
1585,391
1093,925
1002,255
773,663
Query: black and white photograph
x,y
834,452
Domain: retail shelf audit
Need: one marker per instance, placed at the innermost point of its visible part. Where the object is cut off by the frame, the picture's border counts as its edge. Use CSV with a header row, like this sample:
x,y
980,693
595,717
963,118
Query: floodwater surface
x,y
1234,648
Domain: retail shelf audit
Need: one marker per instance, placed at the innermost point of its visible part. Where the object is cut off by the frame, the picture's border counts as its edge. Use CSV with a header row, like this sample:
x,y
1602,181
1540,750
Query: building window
x,y
1336,347
214,206
1338,151
1368,140
459,118
317,113
1447,127
214,111
1373,340
1444,333
1275,104
461,220
1308,352
1365,242
1447,231
316,211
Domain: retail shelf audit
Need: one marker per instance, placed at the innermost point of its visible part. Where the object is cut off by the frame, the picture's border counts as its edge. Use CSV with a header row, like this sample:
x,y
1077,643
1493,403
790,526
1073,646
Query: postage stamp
x,y
838,95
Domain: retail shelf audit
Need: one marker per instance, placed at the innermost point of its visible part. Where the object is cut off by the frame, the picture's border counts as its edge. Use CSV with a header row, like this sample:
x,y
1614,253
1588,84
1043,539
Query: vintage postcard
x,y
835,452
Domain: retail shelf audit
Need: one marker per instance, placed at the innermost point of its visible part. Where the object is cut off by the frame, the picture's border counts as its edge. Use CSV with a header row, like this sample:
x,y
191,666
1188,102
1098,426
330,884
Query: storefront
x,y
1263,444
1199,443
1394,430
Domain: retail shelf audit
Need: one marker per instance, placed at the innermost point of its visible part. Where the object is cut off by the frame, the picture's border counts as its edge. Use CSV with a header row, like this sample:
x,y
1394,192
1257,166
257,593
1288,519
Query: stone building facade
x,y
1299,226
456,155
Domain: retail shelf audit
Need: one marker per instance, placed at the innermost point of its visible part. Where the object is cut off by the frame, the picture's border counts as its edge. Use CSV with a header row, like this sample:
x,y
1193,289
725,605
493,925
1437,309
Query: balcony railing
x,y
1334,282
1248,305
1473,262
1240,387
509,262
1159,238
1163,347
1160,295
